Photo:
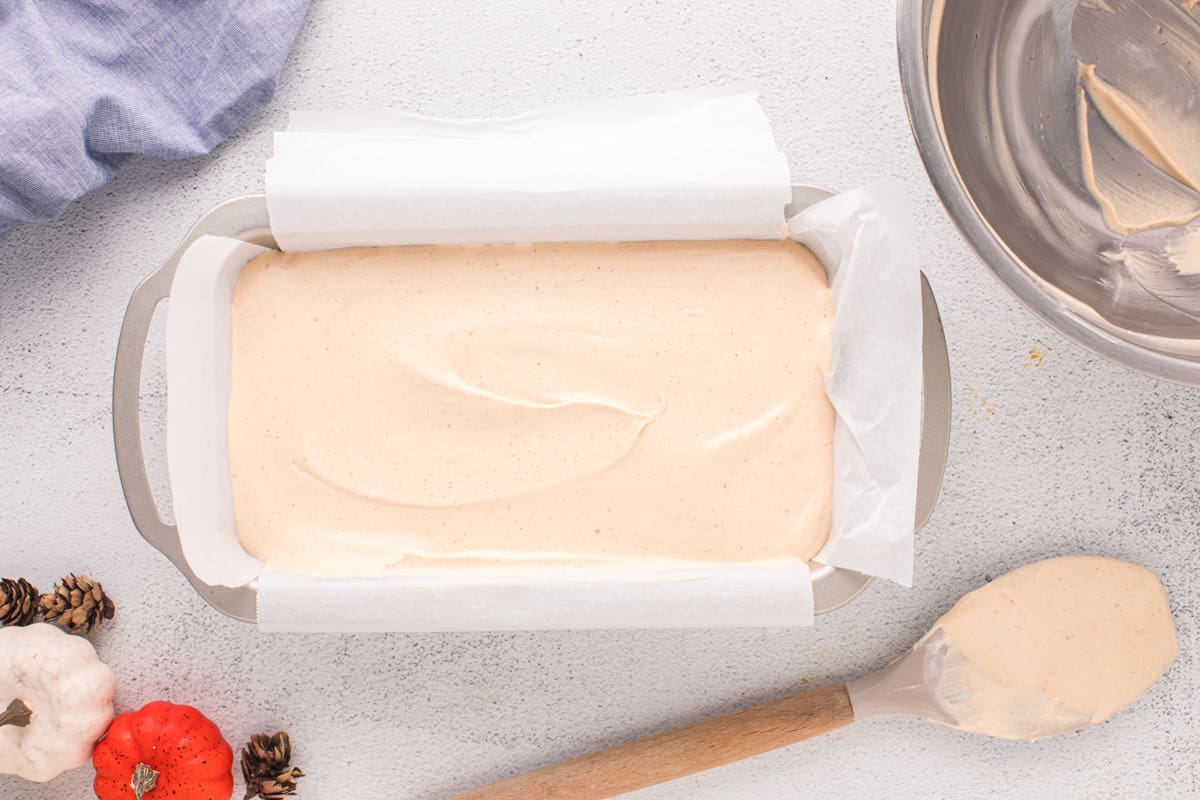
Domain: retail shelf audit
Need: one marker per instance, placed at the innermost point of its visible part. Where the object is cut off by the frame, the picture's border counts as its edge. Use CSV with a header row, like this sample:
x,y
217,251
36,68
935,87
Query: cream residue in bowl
x,y
1131,197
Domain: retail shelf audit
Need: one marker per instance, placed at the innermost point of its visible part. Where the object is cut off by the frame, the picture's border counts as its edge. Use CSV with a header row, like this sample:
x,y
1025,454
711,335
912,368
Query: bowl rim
x,y
912,25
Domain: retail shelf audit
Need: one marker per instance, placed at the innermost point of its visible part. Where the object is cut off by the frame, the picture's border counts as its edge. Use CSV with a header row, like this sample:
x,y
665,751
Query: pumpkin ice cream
x,y
568,404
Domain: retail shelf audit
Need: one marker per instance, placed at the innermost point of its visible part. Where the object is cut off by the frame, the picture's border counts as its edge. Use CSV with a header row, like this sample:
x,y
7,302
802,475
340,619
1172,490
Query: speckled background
x,y
1069,455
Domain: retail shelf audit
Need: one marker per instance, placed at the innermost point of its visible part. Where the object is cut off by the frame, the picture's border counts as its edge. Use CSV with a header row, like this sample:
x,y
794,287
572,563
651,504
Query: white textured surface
x,y
1074,455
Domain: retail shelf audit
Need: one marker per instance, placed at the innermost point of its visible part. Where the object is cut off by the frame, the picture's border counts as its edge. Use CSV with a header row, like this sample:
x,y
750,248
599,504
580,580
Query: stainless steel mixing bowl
x,y
991,93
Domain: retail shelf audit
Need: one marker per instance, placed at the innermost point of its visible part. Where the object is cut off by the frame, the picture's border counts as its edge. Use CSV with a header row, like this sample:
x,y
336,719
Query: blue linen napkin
x,y
85,84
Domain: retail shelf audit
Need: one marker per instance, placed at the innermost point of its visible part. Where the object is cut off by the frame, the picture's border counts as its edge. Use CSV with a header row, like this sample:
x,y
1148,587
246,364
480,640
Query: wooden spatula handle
x,y
680,752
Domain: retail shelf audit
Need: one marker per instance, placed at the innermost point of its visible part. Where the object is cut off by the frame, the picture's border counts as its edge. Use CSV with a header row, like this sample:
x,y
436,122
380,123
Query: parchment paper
x,y
699,164
864,238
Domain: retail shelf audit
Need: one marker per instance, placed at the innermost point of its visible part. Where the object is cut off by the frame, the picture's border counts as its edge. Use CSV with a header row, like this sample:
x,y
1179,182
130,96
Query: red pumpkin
x,y
163,752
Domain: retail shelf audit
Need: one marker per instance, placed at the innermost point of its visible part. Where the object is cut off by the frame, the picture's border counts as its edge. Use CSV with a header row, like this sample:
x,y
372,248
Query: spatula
x,y
900,688
933,681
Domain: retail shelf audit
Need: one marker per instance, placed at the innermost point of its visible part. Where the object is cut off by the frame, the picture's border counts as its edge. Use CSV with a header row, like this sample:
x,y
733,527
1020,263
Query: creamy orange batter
x,y
1054,647
1129,200
571,404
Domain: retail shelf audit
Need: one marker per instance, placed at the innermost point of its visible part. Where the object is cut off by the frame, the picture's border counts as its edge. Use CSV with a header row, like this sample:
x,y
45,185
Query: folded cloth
x,y
84,84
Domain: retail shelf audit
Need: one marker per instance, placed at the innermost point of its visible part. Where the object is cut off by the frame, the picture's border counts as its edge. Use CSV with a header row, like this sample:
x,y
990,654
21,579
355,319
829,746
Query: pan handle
x,y
127,422
237,602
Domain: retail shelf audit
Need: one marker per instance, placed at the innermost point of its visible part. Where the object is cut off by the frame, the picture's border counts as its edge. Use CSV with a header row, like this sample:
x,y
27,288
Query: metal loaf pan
x,y
246,218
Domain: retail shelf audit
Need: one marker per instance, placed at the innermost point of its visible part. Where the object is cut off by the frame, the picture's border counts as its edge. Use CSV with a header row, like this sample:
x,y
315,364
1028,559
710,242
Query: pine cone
x,y
78,604
267,769
18,602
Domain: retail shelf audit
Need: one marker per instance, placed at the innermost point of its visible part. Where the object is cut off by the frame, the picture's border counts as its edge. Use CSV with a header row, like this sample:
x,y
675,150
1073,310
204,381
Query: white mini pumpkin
x,y
65,701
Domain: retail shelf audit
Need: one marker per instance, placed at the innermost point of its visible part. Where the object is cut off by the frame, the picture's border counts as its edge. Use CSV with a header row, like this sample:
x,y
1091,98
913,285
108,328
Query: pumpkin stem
x,y
144,779
17,714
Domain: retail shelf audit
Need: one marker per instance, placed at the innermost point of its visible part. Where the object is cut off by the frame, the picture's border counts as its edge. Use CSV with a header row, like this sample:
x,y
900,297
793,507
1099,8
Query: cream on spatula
x,y
1050,648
